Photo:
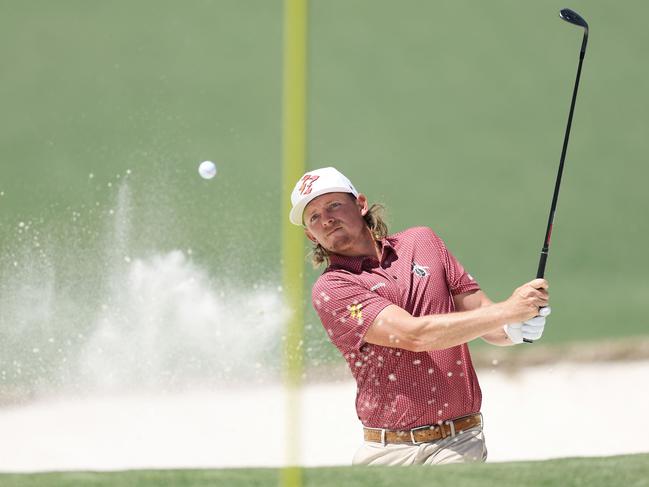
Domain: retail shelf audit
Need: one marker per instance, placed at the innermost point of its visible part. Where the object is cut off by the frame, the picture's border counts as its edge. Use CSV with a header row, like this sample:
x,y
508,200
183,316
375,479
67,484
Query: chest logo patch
x,y
376,286
419,270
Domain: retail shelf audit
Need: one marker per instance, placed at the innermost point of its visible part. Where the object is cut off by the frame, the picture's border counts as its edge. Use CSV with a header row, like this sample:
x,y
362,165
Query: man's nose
x,y
327,219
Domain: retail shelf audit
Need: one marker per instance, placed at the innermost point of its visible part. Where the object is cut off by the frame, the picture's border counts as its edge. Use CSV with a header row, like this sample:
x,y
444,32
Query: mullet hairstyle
x,y
374,220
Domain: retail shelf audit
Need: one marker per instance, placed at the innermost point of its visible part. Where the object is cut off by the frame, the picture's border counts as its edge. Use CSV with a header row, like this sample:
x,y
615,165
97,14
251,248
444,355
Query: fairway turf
x,y
627,471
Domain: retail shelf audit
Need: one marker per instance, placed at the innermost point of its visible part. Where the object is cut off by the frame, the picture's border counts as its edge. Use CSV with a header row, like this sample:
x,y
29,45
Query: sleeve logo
x,y
356,312
307,182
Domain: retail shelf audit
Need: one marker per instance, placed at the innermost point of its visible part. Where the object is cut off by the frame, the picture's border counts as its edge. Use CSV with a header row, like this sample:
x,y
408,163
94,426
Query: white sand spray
x,y
88,314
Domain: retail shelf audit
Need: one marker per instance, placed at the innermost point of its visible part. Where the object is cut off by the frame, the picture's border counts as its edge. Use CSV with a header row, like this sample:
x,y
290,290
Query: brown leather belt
x,y
423,434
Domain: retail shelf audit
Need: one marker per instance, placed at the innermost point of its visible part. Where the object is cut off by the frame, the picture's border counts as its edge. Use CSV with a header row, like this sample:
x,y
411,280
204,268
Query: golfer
x,y
400,309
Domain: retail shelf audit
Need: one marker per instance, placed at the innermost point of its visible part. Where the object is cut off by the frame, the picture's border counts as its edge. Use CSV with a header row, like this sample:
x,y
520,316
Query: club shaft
x,y
540,273
555,197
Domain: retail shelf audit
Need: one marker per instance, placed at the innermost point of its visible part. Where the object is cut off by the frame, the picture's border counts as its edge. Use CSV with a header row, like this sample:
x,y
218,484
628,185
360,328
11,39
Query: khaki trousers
x,y
465,447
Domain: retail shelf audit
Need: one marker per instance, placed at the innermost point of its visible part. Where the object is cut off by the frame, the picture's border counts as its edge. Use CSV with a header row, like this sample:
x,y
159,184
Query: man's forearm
x,y
395,327
478,299
436,332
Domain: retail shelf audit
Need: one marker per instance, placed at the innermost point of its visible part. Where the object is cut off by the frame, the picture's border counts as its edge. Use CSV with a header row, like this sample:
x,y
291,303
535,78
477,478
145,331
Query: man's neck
x,y
367,247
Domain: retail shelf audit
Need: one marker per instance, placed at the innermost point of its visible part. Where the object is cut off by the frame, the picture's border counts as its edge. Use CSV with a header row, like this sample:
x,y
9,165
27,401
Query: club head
x,y
573,17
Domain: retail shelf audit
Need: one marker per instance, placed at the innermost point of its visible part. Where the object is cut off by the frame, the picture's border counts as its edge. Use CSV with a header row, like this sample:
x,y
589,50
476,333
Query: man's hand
x,y
525,301
531,329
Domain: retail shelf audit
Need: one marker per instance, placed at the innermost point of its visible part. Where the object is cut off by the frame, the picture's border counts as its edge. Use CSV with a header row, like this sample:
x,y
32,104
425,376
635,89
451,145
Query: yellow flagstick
x,y
293,166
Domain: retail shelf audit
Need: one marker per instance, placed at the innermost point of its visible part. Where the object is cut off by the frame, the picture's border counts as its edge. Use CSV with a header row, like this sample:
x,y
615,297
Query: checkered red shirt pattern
x,y
399,389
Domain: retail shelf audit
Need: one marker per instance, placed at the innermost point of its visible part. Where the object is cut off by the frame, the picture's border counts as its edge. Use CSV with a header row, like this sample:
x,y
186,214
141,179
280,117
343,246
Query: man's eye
x,y
313,218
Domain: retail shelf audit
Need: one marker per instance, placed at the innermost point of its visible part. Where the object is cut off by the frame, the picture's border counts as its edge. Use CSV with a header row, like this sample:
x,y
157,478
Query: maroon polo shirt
x,y
399,389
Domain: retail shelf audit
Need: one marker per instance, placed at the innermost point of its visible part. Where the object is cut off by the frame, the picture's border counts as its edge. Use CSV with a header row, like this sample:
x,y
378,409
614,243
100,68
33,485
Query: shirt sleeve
x,y
458,279
346,309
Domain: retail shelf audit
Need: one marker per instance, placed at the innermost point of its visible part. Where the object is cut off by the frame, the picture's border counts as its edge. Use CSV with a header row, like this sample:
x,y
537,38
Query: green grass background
x,y
630,471
450,113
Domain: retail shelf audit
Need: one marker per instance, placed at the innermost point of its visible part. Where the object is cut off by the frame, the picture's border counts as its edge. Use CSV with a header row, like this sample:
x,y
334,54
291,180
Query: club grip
x,y
539,275
541,270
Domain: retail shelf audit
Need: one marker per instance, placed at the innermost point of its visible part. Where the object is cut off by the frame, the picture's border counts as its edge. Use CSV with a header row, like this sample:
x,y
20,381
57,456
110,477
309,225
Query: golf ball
x,y
207,169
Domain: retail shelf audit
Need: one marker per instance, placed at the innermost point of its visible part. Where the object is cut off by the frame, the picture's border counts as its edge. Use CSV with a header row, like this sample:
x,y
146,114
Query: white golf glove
x,y
531,329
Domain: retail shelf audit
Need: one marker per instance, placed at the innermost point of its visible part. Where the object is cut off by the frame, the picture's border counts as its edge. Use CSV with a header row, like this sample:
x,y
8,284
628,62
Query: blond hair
x,y
375,222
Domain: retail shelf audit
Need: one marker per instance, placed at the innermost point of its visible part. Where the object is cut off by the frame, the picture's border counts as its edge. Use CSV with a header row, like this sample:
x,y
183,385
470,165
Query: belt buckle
x,y
412,433
451,425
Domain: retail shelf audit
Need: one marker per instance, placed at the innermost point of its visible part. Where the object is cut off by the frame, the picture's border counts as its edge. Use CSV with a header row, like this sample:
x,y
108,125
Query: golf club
x,y
576,19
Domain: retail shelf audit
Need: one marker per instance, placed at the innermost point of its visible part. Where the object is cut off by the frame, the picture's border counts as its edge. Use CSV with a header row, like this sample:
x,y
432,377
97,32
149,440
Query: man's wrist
x,y
504,313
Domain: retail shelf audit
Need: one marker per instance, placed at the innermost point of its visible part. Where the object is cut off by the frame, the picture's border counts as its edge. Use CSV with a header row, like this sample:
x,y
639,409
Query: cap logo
x,y
307,182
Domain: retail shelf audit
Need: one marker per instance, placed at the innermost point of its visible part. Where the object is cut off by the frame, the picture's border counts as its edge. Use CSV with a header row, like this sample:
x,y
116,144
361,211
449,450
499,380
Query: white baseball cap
x,y
315,183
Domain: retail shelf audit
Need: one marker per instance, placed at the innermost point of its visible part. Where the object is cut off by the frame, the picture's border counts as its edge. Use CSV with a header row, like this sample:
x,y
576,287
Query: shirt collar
x,y
357,264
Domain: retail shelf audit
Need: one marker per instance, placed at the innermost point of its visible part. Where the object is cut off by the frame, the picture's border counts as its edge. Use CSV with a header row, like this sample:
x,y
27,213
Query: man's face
x,y
335,221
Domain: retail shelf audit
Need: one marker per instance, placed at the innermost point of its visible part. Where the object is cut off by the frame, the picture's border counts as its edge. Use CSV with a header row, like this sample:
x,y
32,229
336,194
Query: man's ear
x,y
310,236
361,201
